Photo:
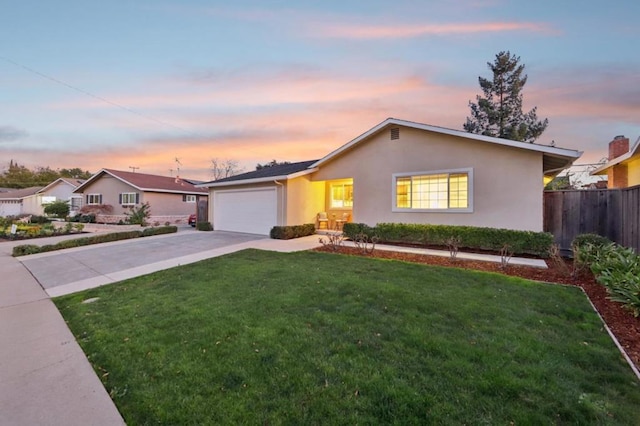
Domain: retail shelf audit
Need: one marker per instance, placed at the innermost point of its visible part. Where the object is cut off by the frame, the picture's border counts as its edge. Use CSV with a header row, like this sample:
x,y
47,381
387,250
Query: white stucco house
x,y
401,172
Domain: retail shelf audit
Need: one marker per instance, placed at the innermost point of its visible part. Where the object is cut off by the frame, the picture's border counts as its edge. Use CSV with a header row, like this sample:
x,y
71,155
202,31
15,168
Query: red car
x,y
192,220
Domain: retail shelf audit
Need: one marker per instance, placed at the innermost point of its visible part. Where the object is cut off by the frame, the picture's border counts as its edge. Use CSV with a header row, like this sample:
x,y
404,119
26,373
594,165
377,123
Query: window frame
x,y
343,207
468,171
90,198
135,195
190,198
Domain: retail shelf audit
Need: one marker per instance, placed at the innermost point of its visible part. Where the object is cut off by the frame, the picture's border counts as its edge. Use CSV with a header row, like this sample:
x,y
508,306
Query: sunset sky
x,y
119,84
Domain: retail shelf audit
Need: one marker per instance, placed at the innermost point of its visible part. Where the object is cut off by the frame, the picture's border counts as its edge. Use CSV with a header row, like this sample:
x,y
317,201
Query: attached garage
x,y
10,208
254,211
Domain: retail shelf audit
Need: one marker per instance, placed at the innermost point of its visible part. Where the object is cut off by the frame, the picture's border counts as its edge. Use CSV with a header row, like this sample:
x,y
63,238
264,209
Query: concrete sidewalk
x,y
45,378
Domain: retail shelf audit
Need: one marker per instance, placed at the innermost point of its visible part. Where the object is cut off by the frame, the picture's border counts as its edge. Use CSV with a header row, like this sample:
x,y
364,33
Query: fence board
x,y
613,213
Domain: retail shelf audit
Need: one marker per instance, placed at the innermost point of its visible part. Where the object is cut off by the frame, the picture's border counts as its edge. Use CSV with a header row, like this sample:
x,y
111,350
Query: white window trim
x,y
395,176
89,196
129,194
190,198
331,185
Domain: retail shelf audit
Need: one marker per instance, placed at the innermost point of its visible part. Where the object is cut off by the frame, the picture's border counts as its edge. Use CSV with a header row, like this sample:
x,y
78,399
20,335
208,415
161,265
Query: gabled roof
x,y
19,194
554,159
69,181
635,150
147,183
266,174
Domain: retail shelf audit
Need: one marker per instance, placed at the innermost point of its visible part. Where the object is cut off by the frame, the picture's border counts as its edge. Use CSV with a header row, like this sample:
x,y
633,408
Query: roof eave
x,y
563,152
215,184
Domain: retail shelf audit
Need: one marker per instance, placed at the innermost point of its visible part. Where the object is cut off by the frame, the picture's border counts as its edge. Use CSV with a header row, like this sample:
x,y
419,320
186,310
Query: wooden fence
x,y
613,213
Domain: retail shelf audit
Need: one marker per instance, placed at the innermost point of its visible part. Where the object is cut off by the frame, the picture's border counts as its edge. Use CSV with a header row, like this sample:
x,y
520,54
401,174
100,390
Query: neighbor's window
x,y
341,195
48,199
187,198
129,198
94,198
76,203
443,190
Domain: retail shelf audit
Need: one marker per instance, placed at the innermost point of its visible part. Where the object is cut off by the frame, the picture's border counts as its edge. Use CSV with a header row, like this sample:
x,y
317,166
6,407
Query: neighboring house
x,y
60,189
623,165
398,171
18,201
171,199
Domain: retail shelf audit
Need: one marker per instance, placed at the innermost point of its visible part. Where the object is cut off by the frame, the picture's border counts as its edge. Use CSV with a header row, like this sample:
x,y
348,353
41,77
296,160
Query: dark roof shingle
x,y
266,172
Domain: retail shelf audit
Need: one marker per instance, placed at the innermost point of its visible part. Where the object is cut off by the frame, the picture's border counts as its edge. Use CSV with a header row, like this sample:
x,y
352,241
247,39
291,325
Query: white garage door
x,y
10,208
252,211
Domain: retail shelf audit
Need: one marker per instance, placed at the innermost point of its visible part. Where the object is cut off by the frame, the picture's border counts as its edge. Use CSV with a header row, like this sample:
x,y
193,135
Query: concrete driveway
x,y
87,267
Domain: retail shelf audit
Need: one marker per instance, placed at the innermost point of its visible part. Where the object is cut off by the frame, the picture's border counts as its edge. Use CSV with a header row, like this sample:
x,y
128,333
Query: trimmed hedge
x,y
289,232
477,238
204,226
25,249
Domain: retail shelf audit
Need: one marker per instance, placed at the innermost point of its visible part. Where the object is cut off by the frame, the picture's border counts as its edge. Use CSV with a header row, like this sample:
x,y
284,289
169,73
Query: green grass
x,y
313,338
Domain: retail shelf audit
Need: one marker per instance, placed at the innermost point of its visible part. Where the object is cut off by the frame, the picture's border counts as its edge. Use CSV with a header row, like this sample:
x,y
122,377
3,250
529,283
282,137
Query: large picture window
x,y
341,195
446,190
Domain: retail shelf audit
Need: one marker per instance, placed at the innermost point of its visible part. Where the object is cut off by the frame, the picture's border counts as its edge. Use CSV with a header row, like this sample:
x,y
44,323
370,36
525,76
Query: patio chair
x,y
322,218
341,221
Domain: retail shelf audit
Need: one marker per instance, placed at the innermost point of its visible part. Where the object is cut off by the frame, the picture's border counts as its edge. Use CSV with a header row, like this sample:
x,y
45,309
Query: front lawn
x,y
313,338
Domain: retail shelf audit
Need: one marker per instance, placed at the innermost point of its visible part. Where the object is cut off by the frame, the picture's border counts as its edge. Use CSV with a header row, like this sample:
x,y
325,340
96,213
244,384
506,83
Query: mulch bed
x,y
622,323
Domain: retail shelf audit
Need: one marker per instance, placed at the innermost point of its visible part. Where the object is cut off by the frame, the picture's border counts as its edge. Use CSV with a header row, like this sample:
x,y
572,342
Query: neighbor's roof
x,y
69,181
146,182
554,159
18,194
266,174
602,170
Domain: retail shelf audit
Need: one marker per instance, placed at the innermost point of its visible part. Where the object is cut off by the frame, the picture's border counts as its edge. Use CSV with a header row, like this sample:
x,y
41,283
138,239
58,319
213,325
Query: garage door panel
x,y
250,211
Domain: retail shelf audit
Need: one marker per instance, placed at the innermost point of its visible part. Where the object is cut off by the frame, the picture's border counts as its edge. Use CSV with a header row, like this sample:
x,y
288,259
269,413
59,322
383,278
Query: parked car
x,y
192,220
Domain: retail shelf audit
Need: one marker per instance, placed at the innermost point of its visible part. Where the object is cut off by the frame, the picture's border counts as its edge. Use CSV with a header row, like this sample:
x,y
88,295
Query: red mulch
x,y
622,323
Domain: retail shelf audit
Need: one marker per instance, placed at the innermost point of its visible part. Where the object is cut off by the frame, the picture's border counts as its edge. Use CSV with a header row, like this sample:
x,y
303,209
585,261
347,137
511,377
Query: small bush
x,y
593,239
289,232
138,215
204,226
159,230
39,219
25,249
58,208
618,269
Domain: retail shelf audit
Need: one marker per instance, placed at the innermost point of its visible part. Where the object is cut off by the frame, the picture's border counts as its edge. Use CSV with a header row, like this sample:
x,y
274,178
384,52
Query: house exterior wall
x,y
507,182
633,170
32,205
167,204
110,188
304,200
618,176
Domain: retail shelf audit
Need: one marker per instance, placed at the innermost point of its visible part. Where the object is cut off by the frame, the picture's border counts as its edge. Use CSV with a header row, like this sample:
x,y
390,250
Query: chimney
x,y
618,146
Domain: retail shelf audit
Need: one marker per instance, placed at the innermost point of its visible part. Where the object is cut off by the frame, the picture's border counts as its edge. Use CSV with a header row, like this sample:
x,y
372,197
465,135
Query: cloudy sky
x,y
121,84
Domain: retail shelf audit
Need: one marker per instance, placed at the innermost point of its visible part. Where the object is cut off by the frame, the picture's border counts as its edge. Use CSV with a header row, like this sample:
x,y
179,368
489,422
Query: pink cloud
x,y
396,31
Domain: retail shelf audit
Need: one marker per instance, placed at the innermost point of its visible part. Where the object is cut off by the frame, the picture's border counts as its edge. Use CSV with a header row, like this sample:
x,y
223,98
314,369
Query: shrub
x,y
594,239
39,219
57,208
138,215
204,226
289,232
492,239
159,230
25,249
618,269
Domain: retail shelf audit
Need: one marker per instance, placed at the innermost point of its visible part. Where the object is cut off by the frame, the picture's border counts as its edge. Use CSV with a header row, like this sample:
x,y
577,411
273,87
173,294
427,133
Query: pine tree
x,y
499,112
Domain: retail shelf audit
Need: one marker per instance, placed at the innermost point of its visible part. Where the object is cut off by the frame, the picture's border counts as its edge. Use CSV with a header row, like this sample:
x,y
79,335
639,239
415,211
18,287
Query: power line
x,y
100,98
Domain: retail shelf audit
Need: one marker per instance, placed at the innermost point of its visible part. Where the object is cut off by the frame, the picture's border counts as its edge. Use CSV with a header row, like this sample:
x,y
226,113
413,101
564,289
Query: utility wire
x,y
100,98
